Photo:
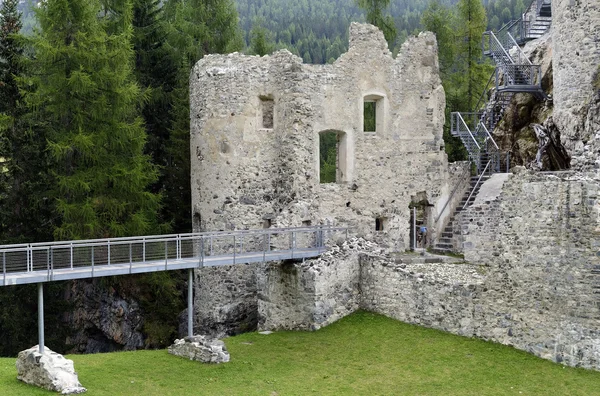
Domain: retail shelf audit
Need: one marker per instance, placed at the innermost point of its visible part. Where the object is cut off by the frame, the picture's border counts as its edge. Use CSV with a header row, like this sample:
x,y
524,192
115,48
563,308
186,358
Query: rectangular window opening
x,y
370,116
267,107
380,223
267,223
306,223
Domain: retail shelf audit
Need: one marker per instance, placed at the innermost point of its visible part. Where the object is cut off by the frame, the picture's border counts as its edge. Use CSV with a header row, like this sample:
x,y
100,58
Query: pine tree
x,y
437,18
470,71
86,94
374,15
156,72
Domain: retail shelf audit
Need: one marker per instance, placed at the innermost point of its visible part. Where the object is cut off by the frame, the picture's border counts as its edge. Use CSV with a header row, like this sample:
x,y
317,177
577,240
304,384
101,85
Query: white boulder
x,y
49,370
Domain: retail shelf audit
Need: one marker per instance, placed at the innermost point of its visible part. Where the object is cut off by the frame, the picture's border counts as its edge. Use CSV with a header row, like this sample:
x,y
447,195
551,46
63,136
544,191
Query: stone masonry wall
x,y
311,294
441,296
533,283
245,172
256,124
576,60
225,300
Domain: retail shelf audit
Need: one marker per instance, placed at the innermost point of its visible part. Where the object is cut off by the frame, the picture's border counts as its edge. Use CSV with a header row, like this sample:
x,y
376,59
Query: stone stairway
x,y
445,243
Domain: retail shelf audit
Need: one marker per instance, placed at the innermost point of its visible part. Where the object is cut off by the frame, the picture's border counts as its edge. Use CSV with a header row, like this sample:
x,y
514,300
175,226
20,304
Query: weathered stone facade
x,y
311,294
255,134
532,246
246,172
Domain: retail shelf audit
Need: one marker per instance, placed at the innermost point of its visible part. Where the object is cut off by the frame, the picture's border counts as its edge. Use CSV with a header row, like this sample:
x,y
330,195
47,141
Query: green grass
x,y
363,354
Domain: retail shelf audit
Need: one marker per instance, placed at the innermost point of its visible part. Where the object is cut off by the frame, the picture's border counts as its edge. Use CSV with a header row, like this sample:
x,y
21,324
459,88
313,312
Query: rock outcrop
x,y
102,319
48,370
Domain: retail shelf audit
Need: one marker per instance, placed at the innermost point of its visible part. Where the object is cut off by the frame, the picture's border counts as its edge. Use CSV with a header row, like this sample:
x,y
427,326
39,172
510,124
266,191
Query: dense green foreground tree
x,y
471,72
86,94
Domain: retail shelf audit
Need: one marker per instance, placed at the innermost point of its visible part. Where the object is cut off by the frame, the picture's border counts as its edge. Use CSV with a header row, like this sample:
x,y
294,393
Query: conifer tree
x,y
471,71
156,72
85,91
374,15
261,42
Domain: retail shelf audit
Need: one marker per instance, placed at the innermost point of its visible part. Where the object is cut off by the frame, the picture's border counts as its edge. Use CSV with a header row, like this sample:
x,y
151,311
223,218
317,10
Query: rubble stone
x,y
200,348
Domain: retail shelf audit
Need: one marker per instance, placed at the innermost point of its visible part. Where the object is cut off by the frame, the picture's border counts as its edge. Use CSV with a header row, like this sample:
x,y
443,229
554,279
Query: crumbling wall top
x,y
366,35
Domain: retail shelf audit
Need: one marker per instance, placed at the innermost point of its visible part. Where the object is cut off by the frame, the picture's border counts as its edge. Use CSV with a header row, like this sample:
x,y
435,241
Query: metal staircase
x,y
534,22
514,73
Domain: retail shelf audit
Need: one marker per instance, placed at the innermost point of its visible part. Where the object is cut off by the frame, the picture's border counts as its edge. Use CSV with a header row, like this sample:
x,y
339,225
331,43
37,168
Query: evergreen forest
x,y
94,115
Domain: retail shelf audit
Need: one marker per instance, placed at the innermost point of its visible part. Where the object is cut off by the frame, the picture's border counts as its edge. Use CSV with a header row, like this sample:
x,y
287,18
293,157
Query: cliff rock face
x,y
515,133
102,319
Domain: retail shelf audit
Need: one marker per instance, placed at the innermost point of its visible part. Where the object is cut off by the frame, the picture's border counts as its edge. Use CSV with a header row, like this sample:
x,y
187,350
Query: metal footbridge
x,y
81,259
86,259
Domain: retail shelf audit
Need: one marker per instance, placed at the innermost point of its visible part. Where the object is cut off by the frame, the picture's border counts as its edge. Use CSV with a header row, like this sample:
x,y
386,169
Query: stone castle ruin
x,y
257,124
531,241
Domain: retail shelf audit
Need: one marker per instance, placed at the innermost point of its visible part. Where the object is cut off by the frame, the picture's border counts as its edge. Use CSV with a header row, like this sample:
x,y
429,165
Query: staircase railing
x,y
477,184
521,29
491,147
514,73
460,128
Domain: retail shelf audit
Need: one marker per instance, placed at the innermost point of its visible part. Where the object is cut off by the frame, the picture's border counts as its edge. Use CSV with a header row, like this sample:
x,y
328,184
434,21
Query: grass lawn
x,y
363,354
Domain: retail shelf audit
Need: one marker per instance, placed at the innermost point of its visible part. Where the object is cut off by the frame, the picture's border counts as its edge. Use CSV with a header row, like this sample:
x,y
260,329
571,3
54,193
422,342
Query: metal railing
x,y
528,26
491,148
461,129
464,178
164,252
477,184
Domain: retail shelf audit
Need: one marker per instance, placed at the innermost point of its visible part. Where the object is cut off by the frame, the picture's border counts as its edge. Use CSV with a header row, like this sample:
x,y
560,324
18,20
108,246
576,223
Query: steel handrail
x,y
485,91
65,255
40,246
476,184
162,237
499,44
467,171
468,130
521,53
489,135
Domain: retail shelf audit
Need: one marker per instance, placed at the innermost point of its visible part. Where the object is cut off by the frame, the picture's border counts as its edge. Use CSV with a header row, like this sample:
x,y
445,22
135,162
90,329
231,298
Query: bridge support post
x,y
190,302
41,317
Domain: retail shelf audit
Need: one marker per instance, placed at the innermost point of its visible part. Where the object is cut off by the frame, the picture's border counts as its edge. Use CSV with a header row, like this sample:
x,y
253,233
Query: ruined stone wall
x,y
533,283
247,173
255,133
441,296
576,57
226,300
311,294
